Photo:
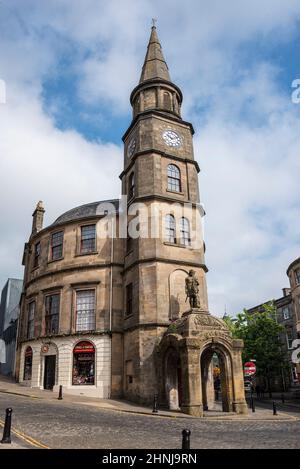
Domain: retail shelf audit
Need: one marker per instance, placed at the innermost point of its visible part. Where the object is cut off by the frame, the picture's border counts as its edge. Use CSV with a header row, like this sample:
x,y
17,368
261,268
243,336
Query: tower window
x,y
37,253
88,239
170,229
57,245
185,237
129,299
131,187
167,101
174,180
30,320
52,313
85,310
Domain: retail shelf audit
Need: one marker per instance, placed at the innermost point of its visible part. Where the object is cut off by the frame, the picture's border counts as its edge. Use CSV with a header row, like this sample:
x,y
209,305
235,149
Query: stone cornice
x,y
166,261
163,154
74,268
154,112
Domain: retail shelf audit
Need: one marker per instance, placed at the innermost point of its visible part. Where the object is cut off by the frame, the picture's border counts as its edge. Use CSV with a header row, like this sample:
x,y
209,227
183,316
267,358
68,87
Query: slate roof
x,y
87,211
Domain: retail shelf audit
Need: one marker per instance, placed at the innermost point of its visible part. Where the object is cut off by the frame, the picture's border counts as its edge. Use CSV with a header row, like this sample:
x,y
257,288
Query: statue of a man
x,y
192,289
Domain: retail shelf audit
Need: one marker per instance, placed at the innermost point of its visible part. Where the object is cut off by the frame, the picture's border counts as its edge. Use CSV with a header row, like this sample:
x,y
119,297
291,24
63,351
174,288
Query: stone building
x,y
286,316
104,312
9,314
293,272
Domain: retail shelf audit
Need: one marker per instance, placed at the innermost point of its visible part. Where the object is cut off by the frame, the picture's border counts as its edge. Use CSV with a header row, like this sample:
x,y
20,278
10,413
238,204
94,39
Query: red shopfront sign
x,y
84,347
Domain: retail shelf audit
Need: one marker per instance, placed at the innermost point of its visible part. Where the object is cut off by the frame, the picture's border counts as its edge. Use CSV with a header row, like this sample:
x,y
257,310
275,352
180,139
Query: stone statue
x,y
192,289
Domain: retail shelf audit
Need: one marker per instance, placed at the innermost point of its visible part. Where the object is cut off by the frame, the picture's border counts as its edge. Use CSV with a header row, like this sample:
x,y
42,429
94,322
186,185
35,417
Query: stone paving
x,y
60,424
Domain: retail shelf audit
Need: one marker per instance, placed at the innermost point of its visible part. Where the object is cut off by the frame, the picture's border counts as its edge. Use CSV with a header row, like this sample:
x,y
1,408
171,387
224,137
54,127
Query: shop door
x,y
49,373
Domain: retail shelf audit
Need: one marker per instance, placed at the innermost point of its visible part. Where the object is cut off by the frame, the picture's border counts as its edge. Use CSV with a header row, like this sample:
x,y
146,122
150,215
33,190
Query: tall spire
x,y
154,65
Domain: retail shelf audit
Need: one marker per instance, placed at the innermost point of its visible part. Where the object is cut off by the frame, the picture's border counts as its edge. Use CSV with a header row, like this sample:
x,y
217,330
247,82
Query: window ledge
x,y
177,245
55,260
175,192
128,316
86,253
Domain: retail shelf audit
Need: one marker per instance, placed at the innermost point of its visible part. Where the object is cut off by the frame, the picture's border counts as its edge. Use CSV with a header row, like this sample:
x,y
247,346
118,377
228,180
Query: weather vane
x,y
154,20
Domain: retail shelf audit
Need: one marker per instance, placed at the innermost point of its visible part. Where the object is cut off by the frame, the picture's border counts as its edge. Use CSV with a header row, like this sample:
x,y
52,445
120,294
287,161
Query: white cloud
x,y
248,142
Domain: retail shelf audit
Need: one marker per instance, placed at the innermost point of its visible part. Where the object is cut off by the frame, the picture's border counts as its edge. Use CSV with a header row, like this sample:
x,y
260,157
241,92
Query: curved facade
x,y
69,297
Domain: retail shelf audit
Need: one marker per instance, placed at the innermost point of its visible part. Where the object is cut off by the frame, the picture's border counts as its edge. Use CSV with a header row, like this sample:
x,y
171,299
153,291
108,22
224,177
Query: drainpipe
x,y
111,296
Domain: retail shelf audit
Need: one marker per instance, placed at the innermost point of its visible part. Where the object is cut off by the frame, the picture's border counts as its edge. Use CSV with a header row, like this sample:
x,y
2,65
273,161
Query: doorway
x,y
215,379
49,372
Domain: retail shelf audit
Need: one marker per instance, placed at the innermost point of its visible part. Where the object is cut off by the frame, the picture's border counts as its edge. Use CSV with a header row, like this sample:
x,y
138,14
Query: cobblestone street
x,y
58,424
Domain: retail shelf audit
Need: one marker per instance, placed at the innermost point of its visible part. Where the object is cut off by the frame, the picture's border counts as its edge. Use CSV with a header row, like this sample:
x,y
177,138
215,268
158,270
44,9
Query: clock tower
x,y
160,180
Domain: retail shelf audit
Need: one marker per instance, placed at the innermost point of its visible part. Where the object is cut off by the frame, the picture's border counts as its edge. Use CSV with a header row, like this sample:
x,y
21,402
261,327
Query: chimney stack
x,y
38,218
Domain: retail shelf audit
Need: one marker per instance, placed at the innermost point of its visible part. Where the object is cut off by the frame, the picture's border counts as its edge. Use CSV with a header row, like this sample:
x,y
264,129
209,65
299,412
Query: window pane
x,y
85,310
174,178
129,299
37,252
52,313
57,245
170,229
88,238
297,273
30,323
185,232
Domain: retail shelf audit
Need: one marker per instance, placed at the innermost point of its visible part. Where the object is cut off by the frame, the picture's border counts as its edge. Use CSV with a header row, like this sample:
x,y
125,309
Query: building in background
x,y
9,314
293,272
286,316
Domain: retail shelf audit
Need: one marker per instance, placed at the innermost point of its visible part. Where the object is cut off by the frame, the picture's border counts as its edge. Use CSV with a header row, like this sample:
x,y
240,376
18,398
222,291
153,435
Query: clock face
x,y
131,147
172,138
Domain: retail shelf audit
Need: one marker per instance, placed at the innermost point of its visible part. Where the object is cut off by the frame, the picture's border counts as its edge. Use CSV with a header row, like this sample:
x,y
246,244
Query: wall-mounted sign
x,y
45,348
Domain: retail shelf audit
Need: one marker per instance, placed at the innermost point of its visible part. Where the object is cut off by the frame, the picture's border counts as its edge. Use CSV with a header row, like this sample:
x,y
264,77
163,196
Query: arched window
x,y
27,364
185,236
131,188
83,364
170,228
167,101
174,180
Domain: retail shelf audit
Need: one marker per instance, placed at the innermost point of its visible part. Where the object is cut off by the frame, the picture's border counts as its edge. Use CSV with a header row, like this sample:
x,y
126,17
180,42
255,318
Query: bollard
x,y
186,438
60,393
282,398
274,408
216,395
7,426
155,401
253,405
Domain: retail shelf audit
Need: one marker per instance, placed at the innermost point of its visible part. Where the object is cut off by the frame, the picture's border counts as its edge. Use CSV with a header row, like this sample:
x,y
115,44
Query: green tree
x,y
261,334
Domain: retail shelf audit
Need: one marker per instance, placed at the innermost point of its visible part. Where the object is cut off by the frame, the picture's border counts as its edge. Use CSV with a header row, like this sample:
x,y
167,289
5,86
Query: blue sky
x,y
69,68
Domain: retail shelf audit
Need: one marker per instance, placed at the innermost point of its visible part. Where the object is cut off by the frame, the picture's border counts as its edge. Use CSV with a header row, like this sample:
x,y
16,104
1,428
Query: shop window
x,y
27,364
85,310
83,364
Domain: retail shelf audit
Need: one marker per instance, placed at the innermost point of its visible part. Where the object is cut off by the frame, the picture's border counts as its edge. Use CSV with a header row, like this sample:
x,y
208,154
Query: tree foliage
x,y
261,334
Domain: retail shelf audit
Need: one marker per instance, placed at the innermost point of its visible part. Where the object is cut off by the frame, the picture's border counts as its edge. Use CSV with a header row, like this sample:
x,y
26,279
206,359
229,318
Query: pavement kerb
x,y
26,438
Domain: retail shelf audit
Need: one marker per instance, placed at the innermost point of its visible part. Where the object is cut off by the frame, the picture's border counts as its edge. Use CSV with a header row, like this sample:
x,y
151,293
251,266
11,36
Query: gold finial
x,y
154,20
